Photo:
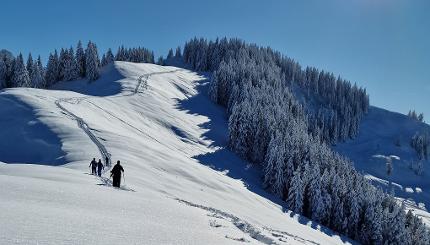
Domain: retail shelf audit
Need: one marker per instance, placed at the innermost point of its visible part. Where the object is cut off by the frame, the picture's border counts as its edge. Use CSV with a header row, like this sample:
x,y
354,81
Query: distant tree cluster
x,y
268,126
340,105
66,65
419,117
137,55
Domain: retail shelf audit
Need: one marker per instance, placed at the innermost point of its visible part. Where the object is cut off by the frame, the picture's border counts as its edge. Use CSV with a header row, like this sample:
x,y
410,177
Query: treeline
x,y
268,126
65,65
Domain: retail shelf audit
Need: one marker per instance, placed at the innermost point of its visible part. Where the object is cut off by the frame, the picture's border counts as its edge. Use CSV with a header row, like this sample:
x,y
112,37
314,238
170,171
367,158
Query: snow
x,y
182,185
375,146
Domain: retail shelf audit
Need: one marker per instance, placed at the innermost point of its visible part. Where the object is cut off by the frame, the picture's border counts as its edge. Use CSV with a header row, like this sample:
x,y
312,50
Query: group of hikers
x,y
115,173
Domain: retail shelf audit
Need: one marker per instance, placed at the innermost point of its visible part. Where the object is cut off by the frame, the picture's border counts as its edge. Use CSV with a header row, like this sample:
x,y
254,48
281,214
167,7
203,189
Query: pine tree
x,y
421,117
80,59
160,61
37,78
315,197
20,73
51,74
92,63
170,54
2,73
29,65
295,193
109,57
104,62
63,61
178,52
8,61
71,70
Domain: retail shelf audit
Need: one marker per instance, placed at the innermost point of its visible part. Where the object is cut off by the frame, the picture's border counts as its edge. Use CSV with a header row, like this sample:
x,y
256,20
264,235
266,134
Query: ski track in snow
x,y
248,228
142,81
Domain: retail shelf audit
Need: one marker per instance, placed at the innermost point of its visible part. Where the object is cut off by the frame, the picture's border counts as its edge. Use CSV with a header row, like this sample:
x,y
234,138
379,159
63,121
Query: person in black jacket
x,y
100,167
116,174
93,165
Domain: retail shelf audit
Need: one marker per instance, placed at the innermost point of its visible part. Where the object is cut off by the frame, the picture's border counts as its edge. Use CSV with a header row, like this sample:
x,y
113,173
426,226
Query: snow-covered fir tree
x,y
71,69
296,193
91,62
52,69
160,61
178,53
21,78
2,74
37,74
421,143
29,64
80,59
6,66
107,58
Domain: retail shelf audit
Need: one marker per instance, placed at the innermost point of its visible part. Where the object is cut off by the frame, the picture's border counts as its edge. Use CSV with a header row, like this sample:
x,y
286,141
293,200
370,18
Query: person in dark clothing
x,y
100,167
93,165
116,174
107,161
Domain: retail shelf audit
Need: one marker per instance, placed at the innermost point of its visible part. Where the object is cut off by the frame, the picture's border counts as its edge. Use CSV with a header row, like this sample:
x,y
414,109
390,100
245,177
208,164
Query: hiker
x,y
93,165
116,174
100,167
107,161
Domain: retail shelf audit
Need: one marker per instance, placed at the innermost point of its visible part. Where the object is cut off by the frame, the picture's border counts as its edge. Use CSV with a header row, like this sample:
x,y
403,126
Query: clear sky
x,y
383,45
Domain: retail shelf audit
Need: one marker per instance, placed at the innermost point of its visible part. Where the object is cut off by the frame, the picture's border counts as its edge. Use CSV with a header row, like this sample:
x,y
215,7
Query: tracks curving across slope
x,y
83,125
142,82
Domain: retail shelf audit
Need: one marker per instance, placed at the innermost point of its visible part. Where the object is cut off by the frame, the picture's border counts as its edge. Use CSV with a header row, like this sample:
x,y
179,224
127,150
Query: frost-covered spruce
x,y
37,76
109,56
2,73
80,59
178,53
170,54
71,70
295,193
21,77
6,67
51,74
91,62
29,65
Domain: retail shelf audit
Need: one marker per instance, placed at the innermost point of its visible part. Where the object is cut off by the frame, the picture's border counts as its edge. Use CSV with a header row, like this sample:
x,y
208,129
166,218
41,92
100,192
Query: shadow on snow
x,y
25,139
224,160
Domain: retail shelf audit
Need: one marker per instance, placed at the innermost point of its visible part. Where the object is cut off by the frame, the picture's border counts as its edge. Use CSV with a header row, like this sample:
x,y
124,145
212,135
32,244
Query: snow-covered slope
x,y
182,186
386,133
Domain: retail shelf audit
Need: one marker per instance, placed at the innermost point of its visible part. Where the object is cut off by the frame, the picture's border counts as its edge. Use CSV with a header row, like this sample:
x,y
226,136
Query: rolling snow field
x,y
181,186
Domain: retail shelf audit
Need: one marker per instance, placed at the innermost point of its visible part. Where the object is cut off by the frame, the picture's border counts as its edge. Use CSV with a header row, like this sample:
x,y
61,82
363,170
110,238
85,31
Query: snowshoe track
x,y
142,82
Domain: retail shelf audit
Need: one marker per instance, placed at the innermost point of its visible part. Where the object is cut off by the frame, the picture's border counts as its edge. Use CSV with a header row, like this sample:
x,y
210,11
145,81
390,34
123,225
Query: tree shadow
x,y
225,161
108,84
25,139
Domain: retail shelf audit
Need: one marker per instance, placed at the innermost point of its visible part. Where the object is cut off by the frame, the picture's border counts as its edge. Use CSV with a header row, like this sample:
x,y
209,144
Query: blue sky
x,y
383,45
